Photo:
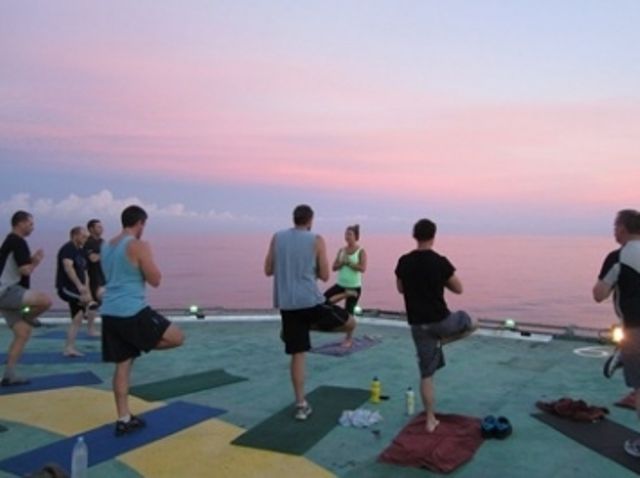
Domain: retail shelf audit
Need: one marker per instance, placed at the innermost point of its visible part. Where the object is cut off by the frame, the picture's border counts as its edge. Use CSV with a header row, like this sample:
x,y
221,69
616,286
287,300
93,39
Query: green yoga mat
x,y
175,387
282,433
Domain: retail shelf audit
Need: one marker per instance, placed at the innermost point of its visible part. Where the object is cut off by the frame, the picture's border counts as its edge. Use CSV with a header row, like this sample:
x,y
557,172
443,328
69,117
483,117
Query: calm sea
x,y
529,278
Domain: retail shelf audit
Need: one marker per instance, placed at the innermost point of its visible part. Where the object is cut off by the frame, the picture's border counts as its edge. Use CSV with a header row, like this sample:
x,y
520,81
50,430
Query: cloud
x,y
103,205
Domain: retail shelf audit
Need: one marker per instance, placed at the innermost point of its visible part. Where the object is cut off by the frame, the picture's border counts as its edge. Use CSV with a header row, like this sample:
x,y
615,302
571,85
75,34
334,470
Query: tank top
x,y
347,277
294,256
125,285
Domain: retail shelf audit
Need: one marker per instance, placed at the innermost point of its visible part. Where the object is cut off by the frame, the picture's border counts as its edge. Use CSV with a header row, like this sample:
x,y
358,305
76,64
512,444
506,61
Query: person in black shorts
x,y
92,251
72,283
422,275
620,276
19,305
129,325
296,259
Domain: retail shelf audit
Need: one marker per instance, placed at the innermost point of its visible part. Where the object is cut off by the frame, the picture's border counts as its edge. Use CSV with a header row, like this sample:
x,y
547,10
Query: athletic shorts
x,y
296,325
124,338
11,302
73,299
631,356
351,302
427,339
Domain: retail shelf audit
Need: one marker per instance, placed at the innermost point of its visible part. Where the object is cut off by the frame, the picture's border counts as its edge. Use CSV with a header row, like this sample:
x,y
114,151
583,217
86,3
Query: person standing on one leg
x,y
72,283
421,277
19,305
129,325
351,263
620,274
296,259
96,277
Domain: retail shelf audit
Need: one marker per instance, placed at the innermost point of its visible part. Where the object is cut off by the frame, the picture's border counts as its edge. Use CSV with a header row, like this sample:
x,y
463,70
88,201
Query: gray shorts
x,y
427,337
11,303
631,356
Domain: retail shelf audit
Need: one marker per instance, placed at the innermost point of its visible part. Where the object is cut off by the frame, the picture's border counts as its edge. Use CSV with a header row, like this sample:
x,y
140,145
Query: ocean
x,y
542,279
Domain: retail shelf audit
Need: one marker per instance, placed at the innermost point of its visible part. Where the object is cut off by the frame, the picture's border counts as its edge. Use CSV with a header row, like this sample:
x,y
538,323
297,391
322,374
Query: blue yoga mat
x,y
337,350
103,445
54,357
62,334
49,382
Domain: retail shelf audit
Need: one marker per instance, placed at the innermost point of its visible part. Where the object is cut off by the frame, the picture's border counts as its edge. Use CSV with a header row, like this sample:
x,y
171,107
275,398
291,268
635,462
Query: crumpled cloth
x,y
360,418
577,410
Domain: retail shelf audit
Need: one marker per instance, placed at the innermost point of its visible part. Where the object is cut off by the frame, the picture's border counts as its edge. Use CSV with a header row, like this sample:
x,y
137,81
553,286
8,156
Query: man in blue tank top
x,y
129,325
296,259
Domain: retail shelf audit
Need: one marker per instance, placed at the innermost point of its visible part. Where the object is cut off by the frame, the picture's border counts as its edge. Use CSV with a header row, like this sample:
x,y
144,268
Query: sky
x,y
487,116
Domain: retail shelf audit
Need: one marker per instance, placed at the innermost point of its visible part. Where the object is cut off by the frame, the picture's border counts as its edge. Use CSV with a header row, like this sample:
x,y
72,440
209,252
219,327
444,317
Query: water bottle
x,y
79,459
376,390
410,401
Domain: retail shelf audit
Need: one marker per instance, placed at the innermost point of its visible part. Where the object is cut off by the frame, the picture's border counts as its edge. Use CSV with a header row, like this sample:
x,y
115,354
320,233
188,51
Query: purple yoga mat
x,y
337,350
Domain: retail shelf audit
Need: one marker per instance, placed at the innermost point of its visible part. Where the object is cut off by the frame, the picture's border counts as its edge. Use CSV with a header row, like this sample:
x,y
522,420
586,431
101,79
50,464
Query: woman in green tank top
x,y
350,263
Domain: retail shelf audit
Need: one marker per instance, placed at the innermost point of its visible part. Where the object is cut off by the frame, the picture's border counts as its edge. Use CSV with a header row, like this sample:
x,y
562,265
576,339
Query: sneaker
x,y
8,382
632,447
613,363
303,411
134,423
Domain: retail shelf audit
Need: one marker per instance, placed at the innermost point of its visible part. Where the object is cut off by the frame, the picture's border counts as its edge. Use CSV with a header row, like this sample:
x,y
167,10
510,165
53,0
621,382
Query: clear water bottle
x,y
410,401
79,459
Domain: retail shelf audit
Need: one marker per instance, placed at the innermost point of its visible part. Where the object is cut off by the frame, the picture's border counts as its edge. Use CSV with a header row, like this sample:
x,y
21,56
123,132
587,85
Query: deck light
x,y
357,310
26,309
510,324
617,334
195,310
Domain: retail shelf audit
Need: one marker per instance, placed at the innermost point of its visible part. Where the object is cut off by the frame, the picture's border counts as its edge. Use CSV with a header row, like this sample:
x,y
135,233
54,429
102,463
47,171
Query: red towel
x,y
577,410
453,443
628,401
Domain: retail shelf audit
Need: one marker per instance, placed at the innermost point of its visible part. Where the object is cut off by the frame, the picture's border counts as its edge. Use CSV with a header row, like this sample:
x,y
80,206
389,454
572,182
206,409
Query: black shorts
x,y
296,324
351,302
73,299
124,338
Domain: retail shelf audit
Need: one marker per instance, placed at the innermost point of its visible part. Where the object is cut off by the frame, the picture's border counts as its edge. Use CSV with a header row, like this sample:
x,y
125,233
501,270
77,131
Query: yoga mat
x,y
337,350
49,382
174,387
103,445
54,357
62,334
453,443
604,437
282,433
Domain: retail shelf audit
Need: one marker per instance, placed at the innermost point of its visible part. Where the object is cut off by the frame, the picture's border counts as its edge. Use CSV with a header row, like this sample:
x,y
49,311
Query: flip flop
x,y
488,426
503,428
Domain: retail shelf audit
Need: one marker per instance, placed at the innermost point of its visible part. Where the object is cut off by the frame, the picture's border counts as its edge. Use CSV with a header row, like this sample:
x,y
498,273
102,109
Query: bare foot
x,y
346,343
431,424
72,353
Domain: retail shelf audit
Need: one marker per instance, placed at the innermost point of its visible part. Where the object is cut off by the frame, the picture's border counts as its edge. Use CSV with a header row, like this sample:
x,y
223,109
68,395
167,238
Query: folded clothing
x,y
577,410
360,418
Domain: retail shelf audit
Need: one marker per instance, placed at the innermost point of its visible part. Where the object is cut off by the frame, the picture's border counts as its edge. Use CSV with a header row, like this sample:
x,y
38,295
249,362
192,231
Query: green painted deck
x,y
484,375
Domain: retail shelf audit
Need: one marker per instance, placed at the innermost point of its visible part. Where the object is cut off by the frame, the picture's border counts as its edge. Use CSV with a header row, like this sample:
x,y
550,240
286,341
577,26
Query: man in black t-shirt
x,y
92,251
421,277
19,305
72,283
620,275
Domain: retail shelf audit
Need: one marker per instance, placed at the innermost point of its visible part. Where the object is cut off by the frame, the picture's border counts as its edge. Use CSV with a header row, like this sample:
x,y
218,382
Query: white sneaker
x,y
303,411
613,363
632,447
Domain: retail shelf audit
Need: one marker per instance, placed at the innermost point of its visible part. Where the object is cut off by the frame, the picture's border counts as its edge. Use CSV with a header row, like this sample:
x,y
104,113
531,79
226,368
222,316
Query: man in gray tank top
x,y
296,259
